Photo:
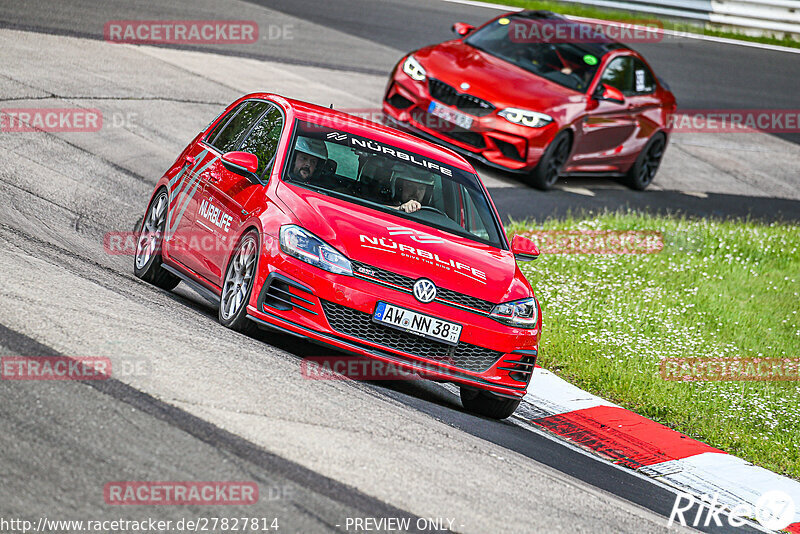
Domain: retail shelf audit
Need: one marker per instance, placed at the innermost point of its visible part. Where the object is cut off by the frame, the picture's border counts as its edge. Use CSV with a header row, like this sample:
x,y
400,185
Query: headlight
x,y
305,246
534,119
414,70
520,313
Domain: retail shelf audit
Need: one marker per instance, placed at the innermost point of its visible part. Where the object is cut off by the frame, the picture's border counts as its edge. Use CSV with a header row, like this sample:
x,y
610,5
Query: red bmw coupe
x,y
541,107
321,225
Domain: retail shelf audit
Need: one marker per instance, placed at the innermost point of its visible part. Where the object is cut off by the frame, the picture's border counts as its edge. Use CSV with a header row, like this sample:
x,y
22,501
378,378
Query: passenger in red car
x,y
413,189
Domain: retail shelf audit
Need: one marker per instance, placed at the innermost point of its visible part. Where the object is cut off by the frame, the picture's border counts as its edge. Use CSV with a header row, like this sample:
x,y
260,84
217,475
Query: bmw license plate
x,y
417,323
450,115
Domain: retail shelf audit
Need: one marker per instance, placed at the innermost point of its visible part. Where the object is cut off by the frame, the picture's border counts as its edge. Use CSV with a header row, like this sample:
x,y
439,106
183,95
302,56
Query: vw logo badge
x,y
424,290
465,86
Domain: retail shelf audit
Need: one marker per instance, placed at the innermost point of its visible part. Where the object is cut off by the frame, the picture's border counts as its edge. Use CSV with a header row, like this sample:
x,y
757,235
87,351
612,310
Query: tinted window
x,y
569,64
263,139
236,128
619,74
221,124
383,177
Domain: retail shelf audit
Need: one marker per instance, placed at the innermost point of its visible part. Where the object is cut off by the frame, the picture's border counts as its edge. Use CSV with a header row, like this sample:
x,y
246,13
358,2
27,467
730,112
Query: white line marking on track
x,y
577,190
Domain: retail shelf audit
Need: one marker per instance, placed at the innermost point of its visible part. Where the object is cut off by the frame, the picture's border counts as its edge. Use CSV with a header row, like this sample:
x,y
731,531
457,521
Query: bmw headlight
x,y
414,70
305,246
520,313
525,117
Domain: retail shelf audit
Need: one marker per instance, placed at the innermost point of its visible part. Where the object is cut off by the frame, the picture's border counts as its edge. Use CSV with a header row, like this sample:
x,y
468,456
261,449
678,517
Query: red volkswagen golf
x,y
541,107
325,226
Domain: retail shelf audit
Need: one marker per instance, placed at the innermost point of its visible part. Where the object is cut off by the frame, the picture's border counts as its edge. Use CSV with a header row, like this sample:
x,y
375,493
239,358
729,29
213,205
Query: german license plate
x,y
450,115
417,323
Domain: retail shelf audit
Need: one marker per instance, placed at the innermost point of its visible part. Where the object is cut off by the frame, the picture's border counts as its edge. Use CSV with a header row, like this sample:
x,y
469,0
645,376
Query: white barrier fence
x,y
772,17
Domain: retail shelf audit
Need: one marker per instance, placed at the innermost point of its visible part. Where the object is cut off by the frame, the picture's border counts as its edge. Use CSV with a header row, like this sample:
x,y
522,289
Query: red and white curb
x,y
652,449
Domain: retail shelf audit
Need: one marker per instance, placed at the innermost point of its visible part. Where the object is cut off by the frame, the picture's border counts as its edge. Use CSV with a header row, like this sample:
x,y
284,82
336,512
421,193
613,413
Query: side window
x,y
263,139
236,128
221,124
619,74
643,80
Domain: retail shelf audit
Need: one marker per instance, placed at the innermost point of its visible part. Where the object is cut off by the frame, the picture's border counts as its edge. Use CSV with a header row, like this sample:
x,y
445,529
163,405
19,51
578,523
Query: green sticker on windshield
x,y
590,59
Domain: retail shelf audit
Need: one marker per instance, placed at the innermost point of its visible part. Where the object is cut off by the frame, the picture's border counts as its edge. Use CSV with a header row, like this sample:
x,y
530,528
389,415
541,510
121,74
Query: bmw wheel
x,y
643,171
546,173
147,260
238,284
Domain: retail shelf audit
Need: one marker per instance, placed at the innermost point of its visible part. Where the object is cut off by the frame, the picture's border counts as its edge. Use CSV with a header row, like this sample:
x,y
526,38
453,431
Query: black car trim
x,y
403,360
199,288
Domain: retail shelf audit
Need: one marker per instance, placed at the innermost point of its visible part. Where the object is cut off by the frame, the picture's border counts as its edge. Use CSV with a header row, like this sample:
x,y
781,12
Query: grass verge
x,y
612,14
718,288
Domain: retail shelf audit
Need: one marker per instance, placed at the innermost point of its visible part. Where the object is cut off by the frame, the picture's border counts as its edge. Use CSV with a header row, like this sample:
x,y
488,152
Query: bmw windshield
x,y
525,42
360,170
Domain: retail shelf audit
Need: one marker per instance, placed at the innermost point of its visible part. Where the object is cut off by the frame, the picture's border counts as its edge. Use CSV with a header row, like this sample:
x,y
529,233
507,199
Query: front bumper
x,y
336,310
490,139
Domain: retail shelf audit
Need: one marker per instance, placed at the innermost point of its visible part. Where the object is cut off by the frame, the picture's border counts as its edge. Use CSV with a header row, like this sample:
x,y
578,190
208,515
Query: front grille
x,y
520,369
450,130
399,101
407,283
360,325
277,294
467,103
508,150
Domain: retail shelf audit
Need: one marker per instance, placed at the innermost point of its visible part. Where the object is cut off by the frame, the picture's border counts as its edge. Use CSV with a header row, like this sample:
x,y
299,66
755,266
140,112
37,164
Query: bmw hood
x,y
372,238
491,78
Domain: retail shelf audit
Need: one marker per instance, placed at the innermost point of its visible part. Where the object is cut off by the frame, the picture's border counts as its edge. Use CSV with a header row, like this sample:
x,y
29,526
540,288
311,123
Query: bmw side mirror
x,y
242,163
524,249
462,28
612,94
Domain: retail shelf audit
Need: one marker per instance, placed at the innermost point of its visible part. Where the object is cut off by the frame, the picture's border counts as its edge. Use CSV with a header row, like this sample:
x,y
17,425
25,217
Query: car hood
x,y
406,247
492,78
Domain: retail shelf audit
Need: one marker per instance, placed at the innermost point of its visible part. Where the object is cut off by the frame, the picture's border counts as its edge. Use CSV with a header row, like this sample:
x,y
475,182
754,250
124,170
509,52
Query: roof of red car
x,y
367,128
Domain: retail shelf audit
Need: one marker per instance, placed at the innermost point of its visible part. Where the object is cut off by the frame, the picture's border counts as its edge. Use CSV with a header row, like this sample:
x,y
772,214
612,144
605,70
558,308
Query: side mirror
x,y
243,164
462,28
524,249
606,92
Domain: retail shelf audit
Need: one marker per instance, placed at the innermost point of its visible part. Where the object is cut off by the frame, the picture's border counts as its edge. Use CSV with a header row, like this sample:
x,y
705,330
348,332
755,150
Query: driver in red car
x,y
310,154
413,188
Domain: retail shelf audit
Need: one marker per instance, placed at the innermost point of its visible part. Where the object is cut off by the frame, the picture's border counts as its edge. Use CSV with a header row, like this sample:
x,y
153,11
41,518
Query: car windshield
x,y
534,45
361,170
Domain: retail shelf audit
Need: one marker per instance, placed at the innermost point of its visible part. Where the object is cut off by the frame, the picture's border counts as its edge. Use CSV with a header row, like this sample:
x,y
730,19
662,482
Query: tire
x,y
546,173
147,259
487,404
644,169
237,285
